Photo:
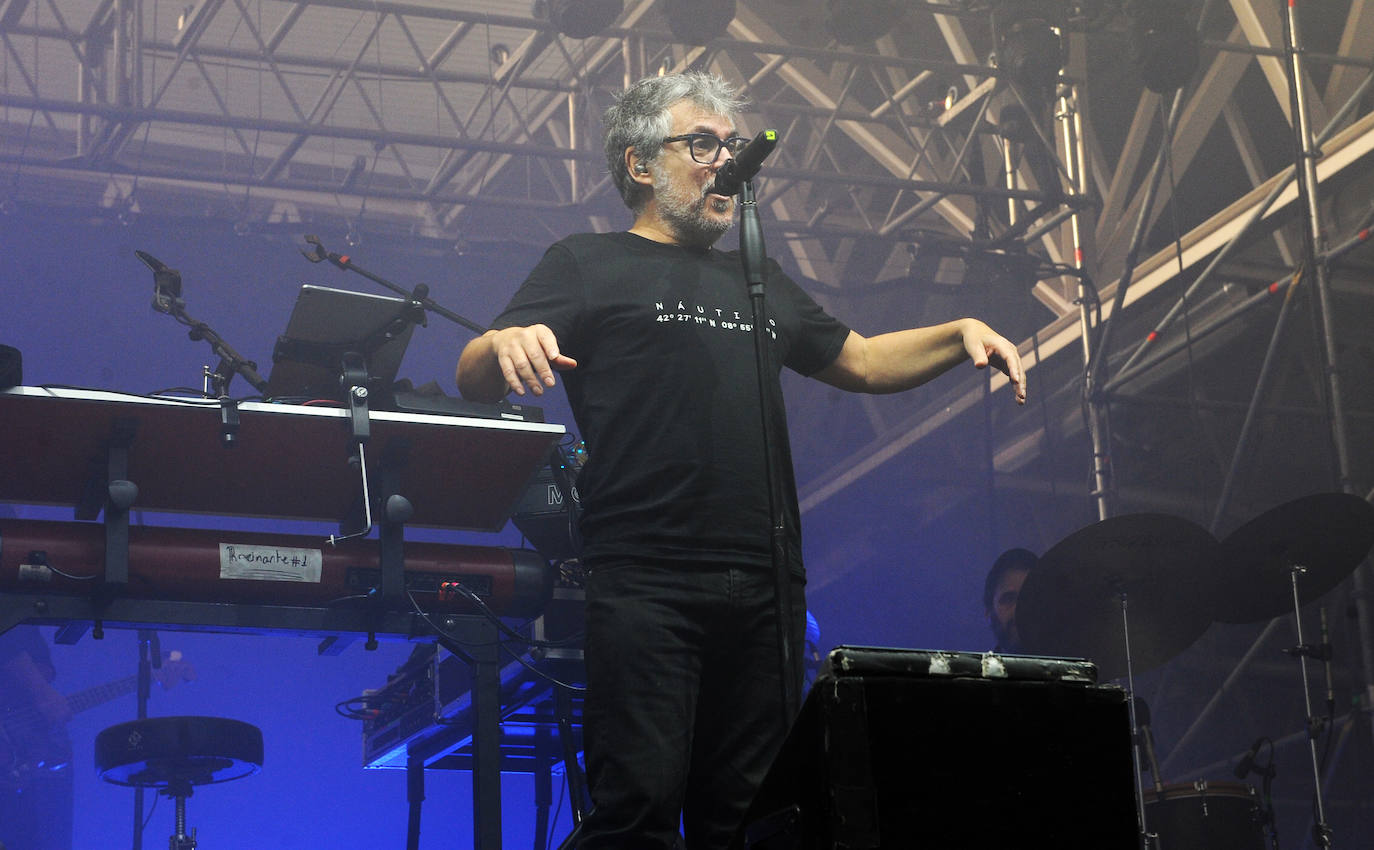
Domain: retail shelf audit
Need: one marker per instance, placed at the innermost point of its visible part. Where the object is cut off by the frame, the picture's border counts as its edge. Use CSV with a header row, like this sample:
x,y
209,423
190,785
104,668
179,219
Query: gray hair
x,y
639,119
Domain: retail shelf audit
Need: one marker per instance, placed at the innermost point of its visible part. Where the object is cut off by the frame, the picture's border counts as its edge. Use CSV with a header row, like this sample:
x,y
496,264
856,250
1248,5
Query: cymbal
x,y
1327,533
1165,567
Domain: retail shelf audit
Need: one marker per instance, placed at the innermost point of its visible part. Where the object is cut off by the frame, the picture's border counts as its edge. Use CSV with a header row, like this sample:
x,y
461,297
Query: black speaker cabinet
x,y
910,749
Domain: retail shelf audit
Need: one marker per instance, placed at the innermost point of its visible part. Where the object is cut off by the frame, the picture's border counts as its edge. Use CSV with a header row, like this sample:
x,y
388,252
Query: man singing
x,y
651,329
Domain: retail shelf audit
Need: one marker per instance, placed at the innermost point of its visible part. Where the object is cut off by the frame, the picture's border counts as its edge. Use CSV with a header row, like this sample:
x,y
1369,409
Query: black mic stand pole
x,y
149,656
419,295
216,383
754,259
231,363
1321,828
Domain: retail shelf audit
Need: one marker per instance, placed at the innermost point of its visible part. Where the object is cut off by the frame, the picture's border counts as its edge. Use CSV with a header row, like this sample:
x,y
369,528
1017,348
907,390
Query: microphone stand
x,y
167,299
231,363
354,377
149,657
419,295
1321,829
754,260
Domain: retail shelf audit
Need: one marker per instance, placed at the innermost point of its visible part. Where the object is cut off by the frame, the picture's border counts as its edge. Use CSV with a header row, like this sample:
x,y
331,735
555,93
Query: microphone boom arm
x,y
167,299
419,295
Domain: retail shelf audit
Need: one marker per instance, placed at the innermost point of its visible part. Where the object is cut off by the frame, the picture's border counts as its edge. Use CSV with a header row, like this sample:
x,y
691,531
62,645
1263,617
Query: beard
x,y
684,209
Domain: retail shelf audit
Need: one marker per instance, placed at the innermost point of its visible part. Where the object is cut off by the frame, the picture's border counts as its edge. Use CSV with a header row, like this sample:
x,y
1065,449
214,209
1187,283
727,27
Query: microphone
x,y
741,168
1147,740
166,283
1247,764
150,261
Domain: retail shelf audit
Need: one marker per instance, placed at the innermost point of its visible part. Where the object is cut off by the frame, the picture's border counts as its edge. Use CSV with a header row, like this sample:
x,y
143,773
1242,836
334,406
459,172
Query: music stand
x,y
328,326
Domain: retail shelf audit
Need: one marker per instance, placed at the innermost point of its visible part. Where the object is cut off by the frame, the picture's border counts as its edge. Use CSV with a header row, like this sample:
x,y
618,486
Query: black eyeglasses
x,y
705,147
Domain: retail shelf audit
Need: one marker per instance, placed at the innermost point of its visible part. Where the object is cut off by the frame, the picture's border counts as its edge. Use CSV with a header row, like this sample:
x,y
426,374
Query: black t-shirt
x,y
665,393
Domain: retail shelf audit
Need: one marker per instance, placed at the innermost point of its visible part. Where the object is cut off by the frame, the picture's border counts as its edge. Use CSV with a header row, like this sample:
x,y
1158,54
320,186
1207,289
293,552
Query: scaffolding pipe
x,y
1096,368
1069,119
1251,414
1255,217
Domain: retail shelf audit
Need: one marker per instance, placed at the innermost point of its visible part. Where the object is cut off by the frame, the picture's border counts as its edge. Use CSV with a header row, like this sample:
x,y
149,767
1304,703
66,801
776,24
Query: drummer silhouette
x,y
1001,589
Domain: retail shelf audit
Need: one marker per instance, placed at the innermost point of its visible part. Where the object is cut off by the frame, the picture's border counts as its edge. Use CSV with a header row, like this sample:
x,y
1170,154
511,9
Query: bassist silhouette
x,y
35,749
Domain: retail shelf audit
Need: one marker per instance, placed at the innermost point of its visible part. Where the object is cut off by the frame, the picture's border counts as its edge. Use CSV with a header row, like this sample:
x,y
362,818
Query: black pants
x,y
683,713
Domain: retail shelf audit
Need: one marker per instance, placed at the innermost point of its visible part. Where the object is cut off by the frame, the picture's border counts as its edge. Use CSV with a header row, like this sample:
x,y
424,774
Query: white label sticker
x,y
269,563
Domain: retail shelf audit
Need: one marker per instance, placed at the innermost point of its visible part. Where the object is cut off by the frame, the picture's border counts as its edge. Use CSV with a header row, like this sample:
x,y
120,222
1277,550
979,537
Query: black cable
x,y
368,706
364,704
443,633
459,647
551,679
1093,300
70,575
455,646
172,391
199,400
491,616
557,810
445,638
151,809
1178,243
565,473
1178,254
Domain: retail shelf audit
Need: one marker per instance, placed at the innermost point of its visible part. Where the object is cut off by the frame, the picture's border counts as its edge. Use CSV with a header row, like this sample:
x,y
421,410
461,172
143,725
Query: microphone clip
x,y
741,168
318,253
166,284
1249,765
1319,652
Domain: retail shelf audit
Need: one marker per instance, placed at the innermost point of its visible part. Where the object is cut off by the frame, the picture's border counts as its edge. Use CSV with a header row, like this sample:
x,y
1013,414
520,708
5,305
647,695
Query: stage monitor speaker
x,y
917,751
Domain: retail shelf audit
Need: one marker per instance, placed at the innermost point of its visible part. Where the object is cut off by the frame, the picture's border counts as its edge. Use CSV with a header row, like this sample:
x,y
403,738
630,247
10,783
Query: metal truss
x,y
469,120
414,113
410,116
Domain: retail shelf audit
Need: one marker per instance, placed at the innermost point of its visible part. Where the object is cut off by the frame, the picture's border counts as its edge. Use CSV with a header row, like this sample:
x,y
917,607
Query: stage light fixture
x,y
698,21
1164,45
581,18
1032,53
860,21
1018,127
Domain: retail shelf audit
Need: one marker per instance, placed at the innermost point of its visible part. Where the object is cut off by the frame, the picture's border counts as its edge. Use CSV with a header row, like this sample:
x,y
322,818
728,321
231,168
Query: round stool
x,y
175,754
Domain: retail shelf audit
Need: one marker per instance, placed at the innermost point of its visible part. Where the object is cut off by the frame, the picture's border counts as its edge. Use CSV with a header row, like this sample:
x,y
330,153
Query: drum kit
x,y
1132,592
